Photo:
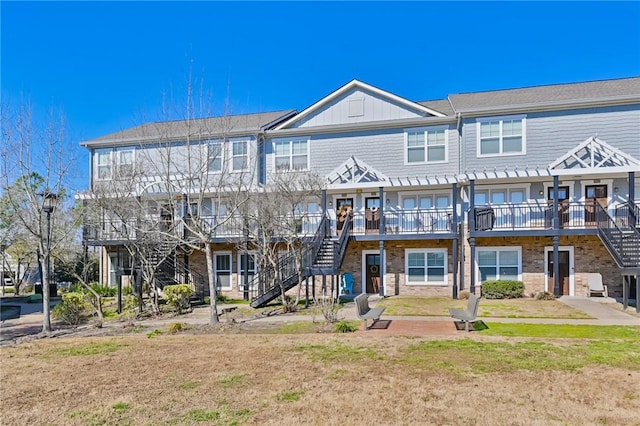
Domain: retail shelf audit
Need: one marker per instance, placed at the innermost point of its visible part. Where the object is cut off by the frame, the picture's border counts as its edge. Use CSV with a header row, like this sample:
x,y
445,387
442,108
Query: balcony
x,y
534,216
403,222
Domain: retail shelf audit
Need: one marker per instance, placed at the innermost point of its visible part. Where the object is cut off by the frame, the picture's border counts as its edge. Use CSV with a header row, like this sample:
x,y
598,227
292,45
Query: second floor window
x,y
214,157
125,162
291,155
104,164
501,136
426,146
240,155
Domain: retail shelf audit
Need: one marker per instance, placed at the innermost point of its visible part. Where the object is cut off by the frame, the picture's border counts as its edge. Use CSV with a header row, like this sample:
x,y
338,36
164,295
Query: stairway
x,y
323,255
171,271
621,236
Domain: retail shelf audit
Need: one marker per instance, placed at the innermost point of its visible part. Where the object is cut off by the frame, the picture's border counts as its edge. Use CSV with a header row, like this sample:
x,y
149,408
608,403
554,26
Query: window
x,y
425,201
125,162
223,271
291,155
251,268
426,266
104,164
501,136
500,196
240,155
214,157
499,263
426,146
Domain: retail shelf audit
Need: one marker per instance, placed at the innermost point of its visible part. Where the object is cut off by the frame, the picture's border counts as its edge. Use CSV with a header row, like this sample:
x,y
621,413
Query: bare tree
x,y
283,223
36,161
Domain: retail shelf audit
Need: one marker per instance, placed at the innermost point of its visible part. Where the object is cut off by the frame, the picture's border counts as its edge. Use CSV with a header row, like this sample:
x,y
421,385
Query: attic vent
x,y
356,107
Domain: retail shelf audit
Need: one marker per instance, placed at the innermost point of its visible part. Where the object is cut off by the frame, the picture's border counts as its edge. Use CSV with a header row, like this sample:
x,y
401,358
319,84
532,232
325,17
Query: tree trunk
x,y
213,318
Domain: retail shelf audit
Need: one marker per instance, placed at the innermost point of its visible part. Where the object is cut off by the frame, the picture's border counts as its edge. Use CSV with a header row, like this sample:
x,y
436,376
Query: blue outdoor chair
x,y
346,286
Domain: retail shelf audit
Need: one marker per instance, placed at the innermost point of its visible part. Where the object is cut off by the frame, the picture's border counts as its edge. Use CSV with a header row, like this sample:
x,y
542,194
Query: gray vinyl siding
x,y
550,135
373,109
178,158
381,149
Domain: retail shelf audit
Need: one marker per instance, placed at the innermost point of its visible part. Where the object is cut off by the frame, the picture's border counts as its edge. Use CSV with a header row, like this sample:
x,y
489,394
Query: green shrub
x,y
207,300
72,309
345,326
221,298
178,296
103,290
502,289
9,290
176,327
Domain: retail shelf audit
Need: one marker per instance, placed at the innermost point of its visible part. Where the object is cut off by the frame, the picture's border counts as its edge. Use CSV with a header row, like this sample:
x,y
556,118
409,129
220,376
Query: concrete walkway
x,y
603,311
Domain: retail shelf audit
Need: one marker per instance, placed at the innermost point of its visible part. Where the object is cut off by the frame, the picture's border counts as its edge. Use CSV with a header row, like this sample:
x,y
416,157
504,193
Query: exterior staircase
x,y
621,235
170,271
322,255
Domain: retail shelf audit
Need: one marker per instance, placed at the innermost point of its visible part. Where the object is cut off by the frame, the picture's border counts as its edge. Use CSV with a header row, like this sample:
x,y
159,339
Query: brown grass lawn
x,y
319,379
503,308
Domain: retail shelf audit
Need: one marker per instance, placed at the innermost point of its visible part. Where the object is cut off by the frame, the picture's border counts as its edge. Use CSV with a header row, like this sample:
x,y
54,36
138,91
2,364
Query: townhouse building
x,y
538,184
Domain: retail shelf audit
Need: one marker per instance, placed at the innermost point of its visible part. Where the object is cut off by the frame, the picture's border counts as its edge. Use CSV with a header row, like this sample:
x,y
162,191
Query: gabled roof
x,y
556,94
356,84
354,171
227,126
594,155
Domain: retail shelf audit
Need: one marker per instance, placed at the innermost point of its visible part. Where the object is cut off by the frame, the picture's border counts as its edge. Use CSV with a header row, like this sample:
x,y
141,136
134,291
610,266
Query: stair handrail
x,y
287,263
340,247
606,223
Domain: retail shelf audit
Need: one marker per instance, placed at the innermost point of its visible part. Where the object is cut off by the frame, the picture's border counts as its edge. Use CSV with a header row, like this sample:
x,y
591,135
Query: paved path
x,y
603,310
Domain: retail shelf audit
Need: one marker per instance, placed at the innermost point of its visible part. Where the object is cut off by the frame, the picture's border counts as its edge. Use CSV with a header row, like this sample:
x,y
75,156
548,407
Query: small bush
x,y
72,309
176,327
9,290
345,327
545,295
502,289
464,295
154,333
104,290
221,298
178,296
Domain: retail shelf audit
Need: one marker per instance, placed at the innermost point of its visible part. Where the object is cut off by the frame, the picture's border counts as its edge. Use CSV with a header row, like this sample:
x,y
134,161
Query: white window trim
x,y
425,130
240,272
232,156
215,270
97,153
497,248
432,195
501,119
223,159
117,152
289,141
425,251
508,188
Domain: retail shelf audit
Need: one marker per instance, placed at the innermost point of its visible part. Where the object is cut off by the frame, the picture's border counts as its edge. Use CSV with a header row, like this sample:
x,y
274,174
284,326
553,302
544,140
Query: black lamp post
x,y
50,201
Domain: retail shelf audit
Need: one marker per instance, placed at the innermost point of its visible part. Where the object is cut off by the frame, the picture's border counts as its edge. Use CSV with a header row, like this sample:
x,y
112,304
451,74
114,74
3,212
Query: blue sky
x,y
108,65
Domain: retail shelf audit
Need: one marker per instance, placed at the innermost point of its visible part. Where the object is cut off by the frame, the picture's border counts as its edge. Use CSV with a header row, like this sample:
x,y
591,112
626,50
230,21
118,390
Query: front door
x,y
563,258
372,215
594,194
344,206
563,206
372,275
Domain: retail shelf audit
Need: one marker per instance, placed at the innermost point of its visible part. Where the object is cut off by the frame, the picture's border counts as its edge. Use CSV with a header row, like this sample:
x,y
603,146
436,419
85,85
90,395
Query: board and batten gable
x,y
382,149
356,106
549,135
